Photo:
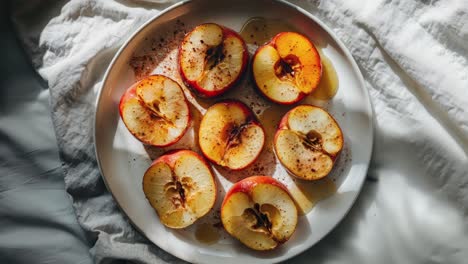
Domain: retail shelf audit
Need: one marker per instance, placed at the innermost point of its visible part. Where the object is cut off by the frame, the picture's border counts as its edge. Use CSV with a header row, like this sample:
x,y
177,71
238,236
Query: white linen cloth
x,y
414,58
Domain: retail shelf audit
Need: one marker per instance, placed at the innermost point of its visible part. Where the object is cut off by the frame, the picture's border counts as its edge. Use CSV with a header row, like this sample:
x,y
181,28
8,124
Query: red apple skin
x,y
253,119
246,186
131,93
204,93
283,124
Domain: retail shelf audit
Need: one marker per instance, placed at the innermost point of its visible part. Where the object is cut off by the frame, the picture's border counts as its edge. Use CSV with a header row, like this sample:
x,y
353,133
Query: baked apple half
x,y
259,212
230,135
287,68
181,188
155,111
212,58
307,142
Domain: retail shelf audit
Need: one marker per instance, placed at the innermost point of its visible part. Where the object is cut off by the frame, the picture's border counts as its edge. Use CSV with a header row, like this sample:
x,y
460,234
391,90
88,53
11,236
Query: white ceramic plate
x,y
123,160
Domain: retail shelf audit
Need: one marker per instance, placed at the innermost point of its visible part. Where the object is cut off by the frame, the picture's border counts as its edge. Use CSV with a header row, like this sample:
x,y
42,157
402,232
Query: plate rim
x,y
310,16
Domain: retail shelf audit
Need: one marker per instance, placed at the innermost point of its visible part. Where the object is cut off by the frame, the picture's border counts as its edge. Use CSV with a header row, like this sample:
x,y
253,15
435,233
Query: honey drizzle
x,y
259,30
270,119
207,234
328,86
308,193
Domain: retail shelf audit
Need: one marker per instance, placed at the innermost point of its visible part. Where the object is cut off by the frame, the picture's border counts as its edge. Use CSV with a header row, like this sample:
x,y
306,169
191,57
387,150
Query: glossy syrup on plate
x,y
328,86
207,234
270,119
259,30
308,193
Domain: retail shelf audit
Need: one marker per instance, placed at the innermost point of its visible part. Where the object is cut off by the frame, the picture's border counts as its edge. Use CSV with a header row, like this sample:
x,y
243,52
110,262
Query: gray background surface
x,y
37,222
